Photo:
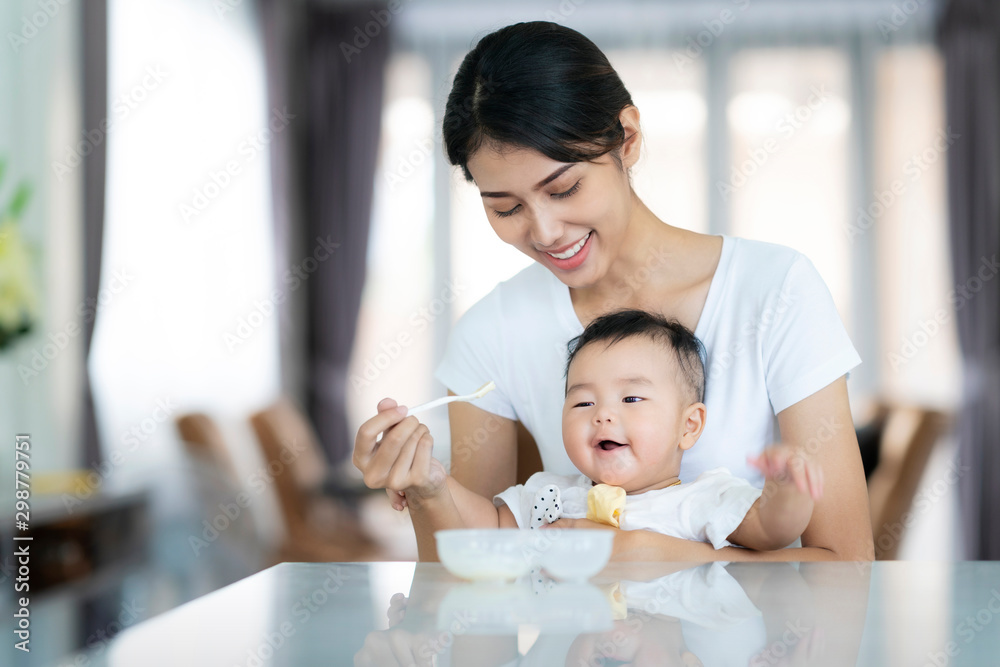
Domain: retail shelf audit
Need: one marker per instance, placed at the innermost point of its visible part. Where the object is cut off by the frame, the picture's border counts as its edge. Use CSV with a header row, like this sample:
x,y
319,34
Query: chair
x,y
241,548
320,528
205,443
909,436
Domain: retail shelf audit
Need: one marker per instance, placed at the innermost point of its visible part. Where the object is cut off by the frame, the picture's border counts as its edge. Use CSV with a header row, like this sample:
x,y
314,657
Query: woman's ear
x,y
629,118
694,423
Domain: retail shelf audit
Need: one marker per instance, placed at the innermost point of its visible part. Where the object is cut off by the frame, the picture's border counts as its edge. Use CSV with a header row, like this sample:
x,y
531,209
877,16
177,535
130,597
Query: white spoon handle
x,y
479,393
435,403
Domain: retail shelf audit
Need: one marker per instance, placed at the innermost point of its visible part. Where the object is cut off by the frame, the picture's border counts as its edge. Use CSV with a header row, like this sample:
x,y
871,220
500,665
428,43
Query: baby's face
x,y
625,415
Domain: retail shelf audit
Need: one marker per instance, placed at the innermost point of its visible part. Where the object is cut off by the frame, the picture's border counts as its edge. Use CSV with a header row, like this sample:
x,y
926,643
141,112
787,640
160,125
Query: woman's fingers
x,y
381,459
400,476
422,458
366,441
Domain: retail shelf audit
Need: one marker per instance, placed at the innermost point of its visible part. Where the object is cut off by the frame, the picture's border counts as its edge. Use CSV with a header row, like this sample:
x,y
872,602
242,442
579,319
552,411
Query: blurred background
x,y
227,229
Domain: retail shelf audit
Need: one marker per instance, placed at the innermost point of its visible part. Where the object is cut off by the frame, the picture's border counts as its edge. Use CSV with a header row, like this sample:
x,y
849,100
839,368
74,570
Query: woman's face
x,y
571,217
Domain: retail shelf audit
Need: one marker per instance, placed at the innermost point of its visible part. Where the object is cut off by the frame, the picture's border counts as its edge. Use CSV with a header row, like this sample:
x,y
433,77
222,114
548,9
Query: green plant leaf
x,y
19,201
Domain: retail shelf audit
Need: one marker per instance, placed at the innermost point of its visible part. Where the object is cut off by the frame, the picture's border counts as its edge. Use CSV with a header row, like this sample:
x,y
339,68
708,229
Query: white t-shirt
x,y
769,325
706,510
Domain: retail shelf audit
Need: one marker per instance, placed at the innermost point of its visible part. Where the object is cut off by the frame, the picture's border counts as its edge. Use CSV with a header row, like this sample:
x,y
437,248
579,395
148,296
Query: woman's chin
x,y
584,277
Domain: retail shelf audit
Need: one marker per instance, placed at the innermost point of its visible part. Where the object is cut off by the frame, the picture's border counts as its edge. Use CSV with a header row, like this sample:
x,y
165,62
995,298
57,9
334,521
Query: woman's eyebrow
x,y
545,181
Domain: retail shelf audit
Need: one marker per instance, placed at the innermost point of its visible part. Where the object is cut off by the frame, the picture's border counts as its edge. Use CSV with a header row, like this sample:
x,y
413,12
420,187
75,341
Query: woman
x,y
541,123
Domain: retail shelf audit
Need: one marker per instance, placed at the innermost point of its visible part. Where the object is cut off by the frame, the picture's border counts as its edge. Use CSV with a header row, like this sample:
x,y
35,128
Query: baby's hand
x,y
401,460
786,464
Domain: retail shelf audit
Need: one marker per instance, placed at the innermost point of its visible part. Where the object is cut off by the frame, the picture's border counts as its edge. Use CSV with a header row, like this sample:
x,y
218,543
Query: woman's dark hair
x,y
537,85
622,324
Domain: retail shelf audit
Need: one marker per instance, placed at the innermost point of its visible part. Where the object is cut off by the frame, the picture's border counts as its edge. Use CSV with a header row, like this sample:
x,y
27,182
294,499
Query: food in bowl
x,y
484,555
572,554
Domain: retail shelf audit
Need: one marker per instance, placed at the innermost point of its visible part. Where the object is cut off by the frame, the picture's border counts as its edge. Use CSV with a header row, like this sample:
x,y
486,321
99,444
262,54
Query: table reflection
x,y
636,614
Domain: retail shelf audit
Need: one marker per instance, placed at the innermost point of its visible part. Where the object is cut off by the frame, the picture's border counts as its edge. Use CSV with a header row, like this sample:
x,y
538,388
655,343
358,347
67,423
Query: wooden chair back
x,y
909,437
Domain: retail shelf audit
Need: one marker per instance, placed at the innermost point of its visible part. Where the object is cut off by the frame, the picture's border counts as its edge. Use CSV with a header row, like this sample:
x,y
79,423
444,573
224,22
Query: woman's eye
x,y
632,399
504,214
568,193
557,195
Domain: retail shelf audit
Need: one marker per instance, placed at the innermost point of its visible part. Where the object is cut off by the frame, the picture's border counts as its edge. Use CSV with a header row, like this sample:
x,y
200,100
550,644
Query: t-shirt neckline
x,y
566,313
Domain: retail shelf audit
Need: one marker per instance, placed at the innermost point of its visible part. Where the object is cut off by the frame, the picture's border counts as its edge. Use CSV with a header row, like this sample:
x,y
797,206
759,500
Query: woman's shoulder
x,y
763,256
764,269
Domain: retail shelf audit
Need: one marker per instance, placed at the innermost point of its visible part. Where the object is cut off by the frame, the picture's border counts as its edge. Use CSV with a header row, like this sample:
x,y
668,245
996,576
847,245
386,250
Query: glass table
x,y
885,613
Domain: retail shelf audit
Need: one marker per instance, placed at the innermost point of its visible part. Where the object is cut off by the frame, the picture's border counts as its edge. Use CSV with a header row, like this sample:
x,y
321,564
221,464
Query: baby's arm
x,y
402,460
785,506
454,507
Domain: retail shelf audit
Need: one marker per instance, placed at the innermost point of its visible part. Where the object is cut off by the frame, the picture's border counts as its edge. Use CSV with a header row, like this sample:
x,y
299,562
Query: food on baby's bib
x,y
606,504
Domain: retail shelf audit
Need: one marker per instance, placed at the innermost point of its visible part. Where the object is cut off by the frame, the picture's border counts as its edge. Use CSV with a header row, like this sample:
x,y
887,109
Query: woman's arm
x,y
483,449
840,528
823,426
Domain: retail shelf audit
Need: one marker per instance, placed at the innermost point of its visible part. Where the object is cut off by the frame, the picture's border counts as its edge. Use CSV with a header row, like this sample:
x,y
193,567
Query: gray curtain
x,y
94,26
343,109
969,36
281,29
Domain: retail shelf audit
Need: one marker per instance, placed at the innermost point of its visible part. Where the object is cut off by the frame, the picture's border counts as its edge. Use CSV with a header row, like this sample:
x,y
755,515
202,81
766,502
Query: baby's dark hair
x,y
622,324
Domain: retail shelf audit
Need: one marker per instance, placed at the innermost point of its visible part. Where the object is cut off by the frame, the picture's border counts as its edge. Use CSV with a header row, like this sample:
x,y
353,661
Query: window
x,y
188,241
789,122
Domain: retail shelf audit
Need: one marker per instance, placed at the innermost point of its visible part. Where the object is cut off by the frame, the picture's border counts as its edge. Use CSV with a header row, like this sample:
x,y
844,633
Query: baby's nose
x,y
604,416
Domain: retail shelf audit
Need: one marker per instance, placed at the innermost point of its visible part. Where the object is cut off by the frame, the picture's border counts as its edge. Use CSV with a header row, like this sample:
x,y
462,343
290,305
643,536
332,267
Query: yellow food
x,y
606,504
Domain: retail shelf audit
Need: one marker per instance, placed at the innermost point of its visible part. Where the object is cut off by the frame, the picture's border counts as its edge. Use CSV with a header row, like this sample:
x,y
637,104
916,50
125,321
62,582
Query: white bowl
x,y
572,554
484,555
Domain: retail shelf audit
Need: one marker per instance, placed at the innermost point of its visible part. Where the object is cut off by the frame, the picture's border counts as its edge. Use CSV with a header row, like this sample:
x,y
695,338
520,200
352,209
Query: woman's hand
x,y
401,459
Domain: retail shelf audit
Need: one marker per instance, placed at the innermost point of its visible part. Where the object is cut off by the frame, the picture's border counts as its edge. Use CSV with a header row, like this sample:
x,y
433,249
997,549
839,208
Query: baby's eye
x,y
631,399
583,405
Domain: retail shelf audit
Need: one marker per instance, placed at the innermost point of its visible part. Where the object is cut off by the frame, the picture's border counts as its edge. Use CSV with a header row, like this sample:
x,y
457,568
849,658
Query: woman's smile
x,y
573,257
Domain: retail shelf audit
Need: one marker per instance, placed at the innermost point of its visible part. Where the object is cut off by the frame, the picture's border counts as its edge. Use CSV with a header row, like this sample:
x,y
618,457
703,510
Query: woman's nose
x,y
546,231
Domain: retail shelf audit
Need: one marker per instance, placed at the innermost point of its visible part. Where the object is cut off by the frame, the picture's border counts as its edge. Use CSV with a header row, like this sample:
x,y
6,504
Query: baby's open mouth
x,y
608,445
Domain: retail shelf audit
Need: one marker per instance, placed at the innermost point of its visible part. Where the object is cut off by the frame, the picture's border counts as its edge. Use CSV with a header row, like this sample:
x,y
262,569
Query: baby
x,y
635,383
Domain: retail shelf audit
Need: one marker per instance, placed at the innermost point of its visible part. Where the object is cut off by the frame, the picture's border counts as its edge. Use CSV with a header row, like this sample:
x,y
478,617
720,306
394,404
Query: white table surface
x,y
885,614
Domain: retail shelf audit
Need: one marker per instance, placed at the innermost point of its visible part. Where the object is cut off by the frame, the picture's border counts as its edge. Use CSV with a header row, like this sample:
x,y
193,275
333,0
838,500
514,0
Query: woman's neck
x,y
648,262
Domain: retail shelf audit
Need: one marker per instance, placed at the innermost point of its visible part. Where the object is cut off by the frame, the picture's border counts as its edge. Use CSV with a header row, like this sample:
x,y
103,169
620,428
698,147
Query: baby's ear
x,y
693,419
